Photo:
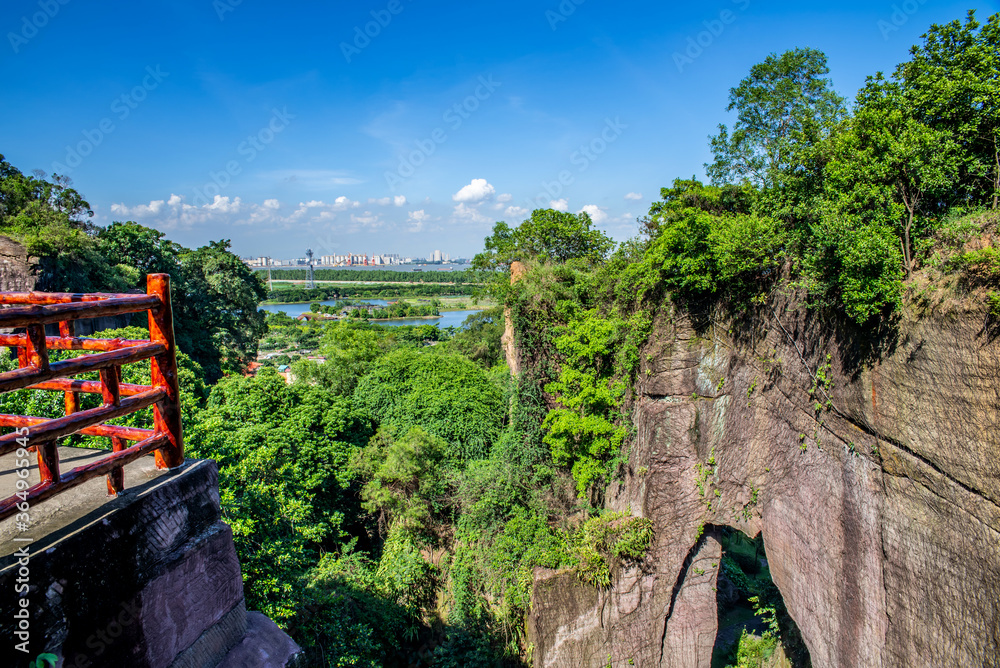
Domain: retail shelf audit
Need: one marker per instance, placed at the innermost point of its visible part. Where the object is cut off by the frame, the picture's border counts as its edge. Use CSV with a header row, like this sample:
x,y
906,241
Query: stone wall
x,y
877,495
18,271
149,579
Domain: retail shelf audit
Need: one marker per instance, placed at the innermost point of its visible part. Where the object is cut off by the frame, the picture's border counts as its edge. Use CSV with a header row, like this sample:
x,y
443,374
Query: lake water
x,y
447,319
391,267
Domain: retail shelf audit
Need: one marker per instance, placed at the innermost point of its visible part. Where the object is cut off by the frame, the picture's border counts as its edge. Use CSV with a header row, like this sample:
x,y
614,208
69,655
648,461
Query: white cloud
x,y
398,200
559,204
506,197
634,196
224,205
173,213
272,204
470,214
596,213
516,212
140,210
477,191
343,203
321,210
417,219
367,219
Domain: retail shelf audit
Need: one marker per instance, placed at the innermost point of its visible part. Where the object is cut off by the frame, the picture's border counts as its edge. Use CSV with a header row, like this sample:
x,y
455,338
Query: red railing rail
x,y
34,310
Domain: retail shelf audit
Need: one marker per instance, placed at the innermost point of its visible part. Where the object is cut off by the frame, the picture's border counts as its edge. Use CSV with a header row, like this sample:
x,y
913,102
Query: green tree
x,y
951,84
220,309
283,454
146,250
784,109
407,480
52,221
549,235
18,191
702,236
889,166
685,195
479,338
350,349
447,395
215,295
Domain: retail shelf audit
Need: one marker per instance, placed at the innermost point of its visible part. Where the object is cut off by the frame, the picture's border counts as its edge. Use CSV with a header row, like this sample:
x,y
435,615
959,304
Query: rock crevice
x,y
870,462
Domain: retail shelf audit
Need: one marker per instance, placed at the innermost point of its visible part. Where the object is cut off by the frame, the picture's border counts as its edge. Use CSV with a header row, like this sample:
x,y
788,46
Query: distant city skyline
x,y
285,130
351,259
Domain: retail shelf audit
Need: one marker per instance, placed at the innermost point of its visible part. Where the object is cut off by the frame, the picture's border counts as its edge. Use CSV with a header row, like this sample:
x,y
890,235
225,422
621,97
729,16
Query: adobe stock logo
x,y
697,44
249,149
31,25
562,13
363,37
454,116
122,107
900,16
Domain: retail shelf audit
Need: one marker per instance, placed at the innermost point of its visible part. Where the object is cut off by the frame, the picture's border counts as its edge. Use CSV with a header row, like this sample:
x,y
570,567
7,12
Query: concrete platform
x,y
53,518
147,579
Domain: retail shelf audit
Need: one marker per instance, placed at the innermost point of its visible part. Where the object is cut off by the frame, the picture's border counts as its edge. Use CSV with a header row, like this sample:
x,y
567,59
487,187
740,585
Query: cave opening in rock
x,y
754,626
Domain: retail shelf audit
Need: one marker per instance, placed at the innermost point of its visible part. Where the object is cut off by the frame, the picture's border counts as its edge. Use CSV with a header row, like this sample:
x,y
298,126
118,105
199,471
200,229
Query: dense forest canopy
x,y
297,294
429,275
215,295
390,503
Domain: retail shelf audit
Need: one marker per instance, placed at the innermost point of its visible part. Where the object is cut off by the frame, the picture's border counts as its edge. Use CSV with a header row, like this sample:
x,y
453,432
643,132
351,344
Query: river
x,y
447,319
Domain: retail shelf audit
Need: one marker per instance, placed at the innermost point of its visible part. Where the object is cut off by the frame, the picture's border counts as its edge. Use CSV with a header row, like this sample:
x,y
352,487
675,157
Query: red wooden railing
x,y
32,311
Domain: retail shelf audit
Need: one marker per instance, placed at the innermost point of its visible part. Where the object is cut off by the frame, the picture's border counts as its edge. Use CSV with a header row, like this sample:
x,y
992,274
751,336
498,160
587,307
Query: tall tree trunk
x,y
910,202
996,172
907,256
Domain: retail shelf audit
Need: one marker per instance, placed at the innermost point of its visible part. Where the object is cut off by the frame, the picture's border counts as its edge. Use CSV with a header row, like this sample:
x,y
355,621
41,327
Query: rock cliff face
x,y
18,271
873,474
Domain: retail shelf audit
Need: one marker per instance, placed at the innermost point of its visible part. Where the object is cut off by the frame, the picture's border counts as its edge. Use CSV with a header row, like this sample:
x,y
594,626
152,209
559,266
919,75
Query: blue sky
x,y
283,126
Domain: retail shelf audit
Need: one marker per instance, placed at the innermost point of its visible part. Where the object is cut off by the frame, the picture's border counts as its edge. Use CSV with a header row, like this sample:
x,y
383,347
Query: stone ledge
x,y
96,565
58,518
215,643
263,646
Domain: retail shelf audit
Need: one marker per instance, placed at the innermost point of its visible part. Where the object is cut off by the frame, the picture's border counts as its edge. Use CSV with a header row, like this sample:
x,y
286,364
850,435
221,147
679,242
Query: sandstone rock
x,y
879,510
18,271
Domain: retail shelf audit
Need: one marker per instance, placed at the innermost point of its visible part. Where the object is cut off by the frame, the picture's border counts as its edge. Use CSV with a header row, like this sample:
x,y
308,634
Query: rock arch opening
x,y
755,628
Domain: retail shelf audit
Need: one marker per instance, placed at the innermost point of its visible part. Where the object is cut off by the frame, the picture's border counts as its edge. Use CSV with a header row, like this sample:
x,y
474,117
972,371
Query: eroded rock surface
x,y
873,474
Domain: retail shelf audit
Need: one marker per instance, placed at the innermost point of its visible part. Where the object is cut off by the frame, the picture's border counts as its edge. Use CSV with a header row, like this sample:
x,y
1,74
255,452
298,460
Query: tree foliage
x,y
449,396
784,107
283,454
548,236
216,296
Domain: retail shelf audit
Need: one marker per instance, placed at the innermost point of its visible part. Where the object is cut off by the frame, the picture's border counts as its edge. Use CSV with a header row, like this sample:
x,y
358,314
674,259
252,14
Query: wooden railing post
x,y
116,476
67,330
38,354
166,414
48,462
